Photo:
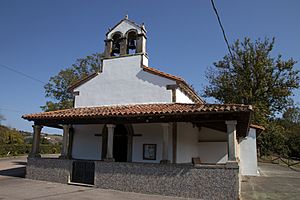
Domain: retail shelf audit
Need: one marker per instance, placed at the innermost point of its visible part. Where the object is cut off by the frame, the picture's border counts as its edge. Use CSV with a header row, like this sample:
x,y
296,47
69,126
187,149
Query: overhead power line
x,y
21,73
221,26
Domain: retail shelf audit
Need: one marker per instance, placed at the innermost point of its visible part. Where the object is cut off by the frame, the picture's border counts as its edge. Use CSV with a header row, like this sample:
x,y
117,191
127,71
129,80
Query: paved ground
x,y
275,182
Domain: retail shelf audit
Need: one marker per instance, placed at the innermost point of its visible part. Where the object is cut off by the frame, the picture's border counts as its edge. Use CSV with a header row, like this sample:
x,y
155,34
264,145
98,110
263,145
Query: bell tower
x,y
125,38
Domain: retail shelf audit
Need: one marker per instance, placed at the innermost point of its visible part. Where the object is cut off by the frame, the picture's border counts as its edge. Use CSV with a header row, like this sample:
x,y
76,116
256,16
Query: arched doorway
x,y
122,144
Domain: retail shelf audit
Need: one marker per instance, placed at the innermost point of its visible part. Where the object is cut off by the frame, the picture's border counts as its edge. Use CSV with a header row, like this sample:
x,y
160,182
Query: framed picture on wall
x,y
149,151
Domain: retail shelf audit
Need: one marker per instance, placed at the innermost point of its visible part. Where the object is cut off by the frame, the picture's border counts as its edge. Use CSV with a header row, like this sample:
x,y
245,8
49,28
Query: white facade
x,y
182,98
248,154
123,81
86,143
207,144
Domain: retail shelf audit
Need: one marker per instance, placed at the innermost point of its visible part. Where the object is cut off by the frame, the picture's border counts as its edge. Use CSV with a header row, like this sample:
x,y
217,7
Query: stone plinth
x,y
203,182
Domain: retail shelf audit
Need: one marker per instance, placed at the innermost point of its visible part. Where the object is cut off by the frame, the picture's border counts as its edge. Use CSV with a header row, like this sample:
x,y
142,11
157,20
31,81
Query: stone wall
x,y
204,182
49,169
210,182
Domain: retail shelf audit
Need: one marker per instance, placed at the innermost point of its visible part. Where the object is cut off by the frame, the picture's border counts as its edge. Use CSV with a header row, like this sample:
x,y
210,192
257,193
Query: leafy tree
x,y
291,123
56,88
273,141
292,115
252,76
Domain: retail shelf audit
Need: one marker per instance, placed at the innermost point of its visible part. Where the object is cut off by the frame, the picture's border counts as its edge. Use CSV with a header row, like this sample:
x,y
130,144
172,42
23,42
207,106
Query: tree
x,y
56,88
292,115
291,122
252,76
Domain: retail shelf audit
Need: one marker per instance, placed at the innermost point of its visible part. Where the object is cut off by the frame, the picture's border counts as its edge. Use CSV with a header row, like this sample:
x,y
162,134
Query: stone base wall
x,y
49,169
204,182
216,182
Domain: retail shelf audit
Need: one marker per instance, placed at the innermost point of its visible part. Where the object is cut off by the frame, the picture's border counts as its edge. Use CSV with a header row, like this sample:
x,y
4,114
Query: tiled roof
x,y
138,110
160,73
257,127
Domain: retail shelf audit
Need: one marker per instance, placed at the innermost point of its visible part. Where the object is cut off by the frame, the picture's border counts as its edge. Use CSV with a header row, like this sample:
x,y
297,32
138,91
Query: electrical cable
x,y
21,73
222,28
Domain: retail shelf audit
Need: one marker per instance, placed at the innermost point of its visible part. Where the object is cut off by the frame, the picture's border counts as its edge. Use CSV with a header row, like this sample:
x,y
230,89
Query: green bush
x,y
21,149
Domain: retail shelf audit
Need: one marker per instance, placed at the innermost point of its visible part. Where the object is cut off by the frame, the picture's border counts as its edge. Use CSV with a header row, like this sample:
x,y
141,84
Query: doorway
x,y
120,148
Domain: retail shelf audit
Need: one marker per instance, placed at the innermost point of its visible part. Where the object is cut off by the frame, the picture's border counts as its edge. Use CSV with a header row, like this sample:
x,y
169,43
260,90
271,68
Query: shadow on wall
x,y
153,79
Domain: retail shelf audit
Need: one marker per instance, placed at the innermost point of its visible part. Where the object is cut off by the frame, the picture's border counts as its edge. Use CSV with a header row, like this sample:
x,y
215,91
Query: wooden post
x,y
110,142
165,143
174,141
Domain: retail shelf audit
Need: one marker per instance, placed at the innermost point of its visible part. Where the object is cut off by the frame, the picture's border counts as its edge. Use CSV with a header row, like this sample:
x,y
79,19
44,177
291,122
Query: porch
x,y
147,148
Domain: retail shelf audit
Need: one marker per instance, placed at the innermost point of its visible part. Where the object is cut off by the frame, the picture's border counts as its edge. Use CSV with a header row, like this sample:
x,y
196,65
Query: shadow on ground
x,y
14,172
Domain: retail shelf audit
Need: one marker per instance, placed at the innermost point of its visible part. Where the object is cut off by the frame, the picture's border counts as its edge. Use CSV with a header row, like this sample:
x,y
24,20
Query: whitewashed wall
x,y
182,98
213,152
151,134
85,144
187,142
207,144
248,154
123,82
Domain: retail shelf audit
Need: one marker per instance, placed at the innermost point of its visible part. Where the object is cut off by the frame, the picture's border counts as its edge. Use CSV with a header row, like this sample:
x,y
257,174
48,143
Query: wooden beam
x,y
174,141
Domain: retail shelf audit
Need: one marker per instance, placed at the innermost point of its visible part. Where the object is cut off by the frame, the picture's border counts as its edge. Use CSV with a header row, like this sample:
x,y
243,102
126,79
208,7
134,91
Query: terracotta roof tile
x,y
257,127
160,73
138,110
180,81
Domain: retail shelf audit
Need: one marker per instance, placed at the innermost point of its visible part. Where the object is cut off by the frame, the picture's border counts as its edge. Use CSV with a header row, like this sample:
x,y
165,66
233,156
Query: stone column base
x,y
232,165
109,160
165,162
34,155
63,157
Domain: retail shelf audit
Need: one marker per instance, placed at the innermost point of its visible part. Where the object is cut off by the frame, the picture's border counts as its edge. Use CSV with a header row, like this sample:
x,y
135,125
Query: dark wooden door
x,y
83,172
120,147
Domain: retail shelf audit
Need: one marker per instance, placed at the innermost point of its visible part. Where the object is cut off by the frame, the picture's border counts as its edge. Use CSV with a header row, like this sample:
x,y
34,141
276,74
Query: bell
x,y
116,48
131,44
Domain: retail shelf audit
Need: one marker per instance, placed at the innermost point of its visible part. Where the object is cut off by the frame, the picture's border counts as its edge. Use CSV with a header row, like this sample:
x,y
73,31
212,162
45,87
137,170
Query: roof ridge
x,y
163,73
173,77
83,80
122,20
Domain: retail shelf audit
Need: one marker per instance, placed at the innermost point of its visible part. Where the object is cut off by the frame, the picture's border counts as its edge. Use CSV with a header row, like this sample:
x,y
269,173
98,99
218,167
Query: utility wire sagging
x,y
22,73
221,26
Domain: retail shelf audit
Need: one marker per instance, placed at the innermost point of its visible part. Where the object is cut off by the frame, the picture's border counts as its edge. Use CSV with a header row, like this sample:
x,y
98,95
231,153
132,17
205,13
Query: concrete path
x,y
274,182
17,188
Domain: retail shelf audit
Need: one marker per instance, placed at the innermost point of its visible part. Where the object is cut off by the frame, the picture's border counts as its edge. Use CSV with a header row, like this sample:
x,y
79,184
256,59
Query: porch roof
x,y
201,114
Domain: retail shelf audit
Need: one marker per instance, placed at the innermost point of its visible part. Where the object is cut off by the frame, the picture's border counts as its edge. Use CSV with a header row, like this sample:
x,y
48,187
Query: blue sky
x,y
41,37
